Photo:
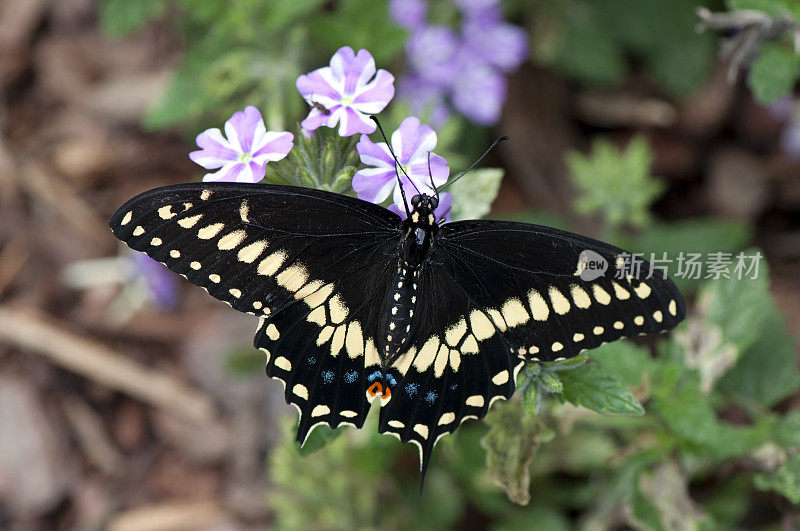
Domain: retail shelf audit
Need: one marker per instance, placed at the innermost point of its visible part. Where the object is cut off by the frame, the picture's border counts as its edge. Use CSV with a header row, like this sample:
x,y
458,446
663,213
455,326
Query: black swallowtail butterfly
x,y
356,304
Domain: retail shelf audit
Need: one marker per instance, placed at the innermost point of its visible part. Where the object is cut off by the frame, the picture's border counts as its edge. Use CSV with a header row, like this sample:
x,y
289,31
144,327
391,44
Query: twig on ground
x,y
93,360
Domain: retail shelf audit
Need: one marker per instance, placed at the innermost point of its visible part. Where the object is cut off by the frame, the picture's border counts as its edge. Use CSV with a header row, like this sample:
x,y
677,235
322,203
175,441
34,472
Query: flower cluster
x,y
467,68
345,93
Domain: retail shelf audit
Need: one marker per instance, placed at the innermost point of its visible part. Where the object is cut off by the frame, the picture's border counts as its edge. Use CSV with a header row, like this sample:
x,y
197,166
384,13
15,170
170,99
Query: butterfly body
x,y
357,305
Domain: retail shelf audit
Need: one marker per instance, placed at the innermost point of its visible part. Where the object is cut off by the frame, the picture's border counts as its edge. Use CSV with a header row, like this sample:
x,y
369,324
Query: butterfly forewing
x,y
306,262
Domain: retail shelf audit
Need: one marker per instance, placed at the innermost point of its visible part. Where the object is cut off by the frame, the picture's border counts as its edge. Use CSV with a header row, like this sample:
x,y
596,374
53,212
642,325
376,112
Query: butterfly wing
x,y
305,261
498,293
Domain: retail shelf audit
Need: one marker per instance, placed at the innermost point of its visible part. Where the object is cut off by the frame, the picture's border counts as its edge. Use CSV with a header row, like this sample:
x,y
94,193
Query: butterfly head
x,y
424,204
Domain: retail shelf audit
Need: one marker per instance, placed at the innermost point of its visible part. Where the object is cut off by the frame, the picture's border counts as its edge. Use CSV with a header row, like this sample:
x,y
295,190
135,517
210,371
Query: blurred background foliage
x,y
695,430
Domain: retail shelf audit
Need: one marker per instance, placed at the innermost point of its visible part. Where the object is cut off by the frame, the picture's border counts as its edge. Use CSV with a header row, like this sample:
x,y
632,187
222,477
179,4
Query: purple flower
x,y
409,14
242,155
497,43
159,280
411,143
479,93
441,212
349,89
433,54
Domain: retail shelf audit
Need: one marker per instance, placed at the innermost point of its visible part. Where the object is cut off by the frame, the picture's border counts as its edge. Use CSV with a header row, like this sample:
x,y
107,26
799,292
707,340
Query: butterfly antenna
x,y
501,139
430,174
396,166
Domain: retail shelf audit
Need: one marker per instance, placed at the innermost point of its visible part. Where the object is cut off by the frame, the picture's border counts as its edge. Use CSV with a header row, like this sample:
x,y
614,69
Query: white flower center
x,y
245,157
346,101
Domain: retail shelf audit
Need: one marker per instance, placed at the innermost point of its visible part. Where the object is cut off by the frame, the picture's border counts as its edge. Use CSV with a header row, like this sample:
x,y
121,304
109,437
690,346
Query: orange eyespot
x,y
387,393
375,388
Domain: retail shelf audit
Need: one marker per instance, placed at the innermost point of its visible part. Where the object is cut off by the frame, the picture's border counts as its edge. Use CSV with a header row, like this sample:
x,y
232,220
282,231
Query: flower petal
x,y
228,173
316,119
373,184
319,86
216,150
375,95
433,53
439,169
373,154
445,204
275,146
502,45
409,14
418,186
479,94
354,69
243,126
412,140
352,122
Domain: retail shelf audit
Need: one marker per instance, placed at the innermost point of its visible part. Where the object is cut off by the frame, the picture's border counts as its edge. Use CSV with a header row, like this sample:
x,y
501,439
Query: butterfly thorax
x,y
419,232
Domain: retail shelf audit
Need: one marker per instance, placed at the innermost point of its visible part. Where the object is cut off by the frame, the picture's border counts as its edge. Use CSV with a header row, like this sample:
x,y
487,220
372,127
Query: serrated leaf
x,y
595,389
785,480
688,416
625,360
775,72
616,184
474,193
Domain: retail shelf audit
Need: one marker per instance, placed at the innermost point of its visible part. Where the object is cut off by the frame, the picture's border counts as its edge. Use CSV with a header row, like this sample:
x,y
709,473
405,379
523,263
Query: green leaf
x,y
510,445
766,372
730,316
319,437
775,72
122,17
787,430
615,184
688,416
474,193
785,480
625,360
593,388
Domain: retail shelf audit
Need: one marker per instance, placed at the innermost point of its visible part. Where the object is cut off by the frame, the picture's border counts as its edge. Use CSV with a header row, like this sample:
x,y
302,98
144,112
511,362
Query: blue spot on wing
x,y
327,376
350,376
411,388
430,397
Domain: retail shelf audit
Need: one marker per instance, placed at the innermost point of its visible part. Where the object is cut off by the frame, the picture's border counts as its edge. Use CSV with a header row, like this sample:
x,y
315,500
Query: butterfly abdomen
x,y
400,301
